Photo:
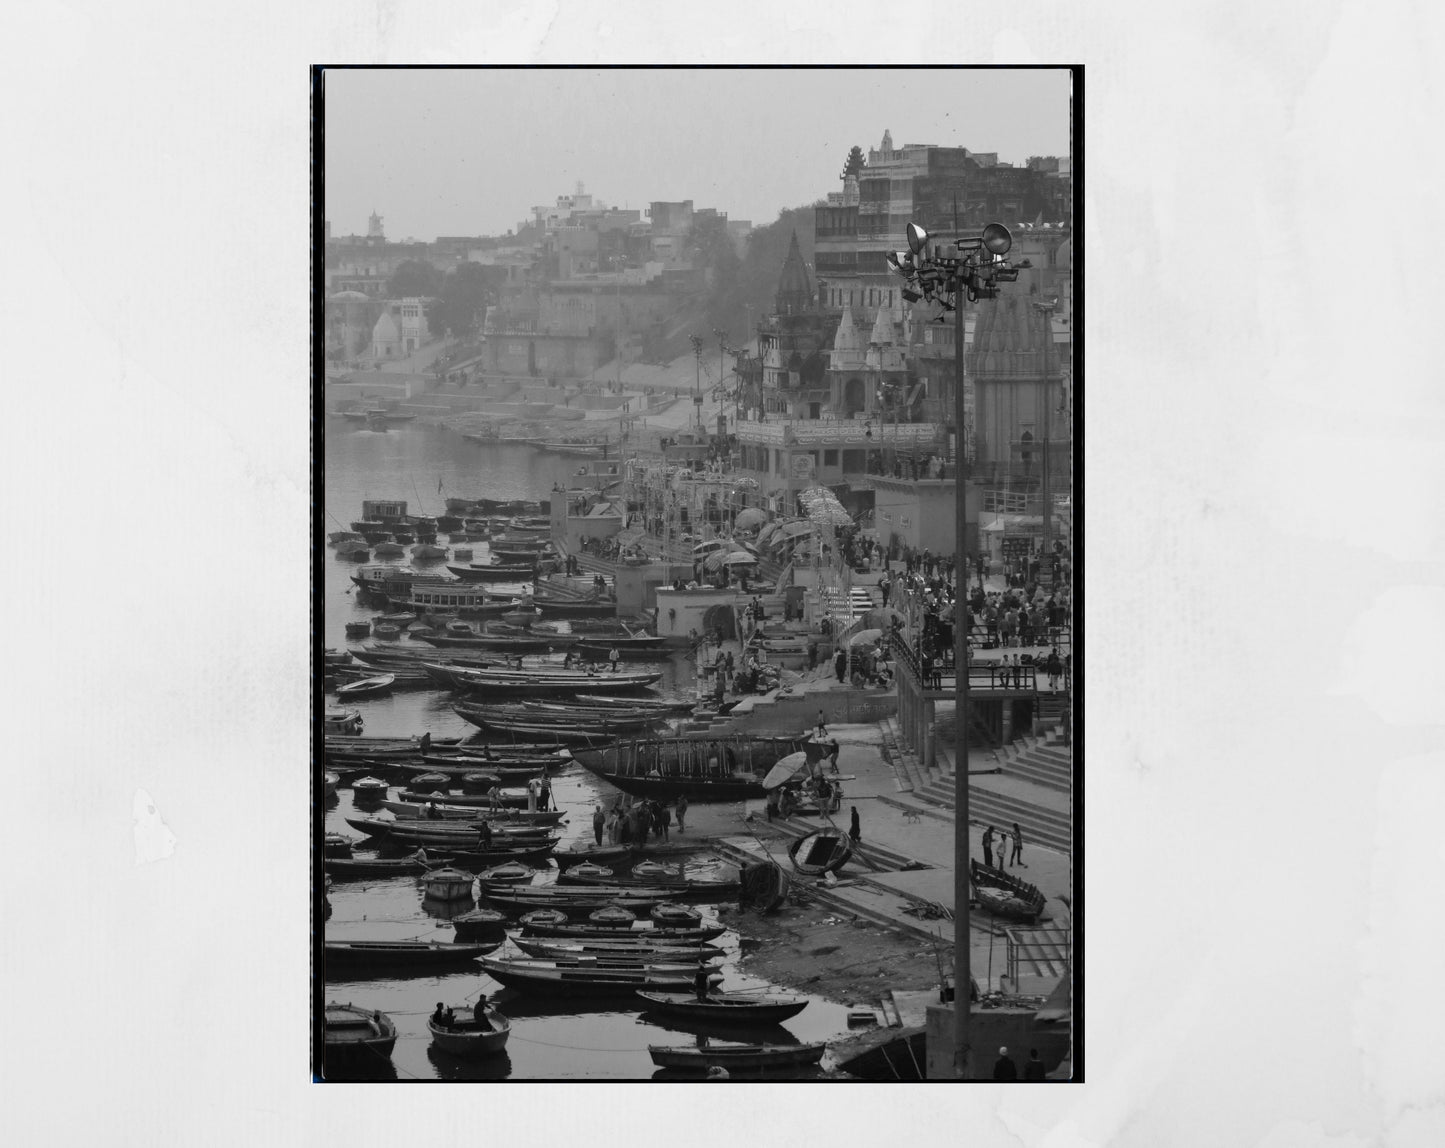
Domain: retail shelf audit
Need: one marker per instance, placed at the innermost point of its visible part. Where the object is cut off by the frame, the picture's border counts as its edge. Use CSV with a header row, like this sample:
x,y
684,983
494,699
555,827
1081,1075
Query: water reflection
x,y
449,1067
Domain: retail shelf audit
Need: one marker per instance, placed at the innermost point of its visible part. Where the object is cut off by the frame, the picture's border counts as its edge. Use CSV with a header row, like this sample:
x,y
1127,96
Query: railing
x,y
807,432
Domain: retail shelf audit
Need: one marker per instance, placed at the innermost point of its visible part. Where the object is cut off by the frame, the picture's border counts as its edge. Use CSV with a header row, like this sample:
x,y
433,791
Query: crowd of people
x,y
631,821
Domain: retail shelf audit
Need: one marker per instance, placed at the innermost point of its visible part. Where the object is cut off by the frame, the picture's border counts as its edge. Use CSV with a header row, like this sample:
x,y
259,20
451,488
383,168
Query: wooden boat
x,y
501,642
335,845
448,884
738,1057
484,572
532,682
485,1034
329,783
579,978
512,873
613,914
764,885
461,833
585,872
341,721
414,811
481,808
411,956
423,552
726,1008
675,886
567,858
377,866
645,930
705,768
518,728
368,789
822,851
358,629
670,916
565,608
481,925
678,953
1004,895
520,901
386,630
388,549
379,414
355,1037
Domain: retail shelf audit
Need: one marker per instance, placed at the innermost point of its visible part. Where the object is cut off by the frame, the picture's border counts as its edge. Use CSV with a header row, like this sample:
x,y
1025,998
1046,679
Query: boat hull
x,y
723,1009
467,1040
750,1058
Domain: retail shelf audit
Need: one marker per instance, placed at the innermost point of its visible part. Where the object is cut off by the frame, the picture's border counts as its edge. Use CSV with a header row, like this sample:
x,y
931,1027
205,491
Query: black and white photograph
x,y
696,559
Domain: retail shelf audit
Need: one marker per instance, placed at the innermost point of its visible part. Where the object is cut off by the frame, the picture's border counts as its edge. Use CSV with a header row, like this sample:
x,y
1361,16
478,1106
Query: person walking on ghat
x,y
988,847
840,665
613,657
1018,855
681,812
1004,1068
855,830
599,819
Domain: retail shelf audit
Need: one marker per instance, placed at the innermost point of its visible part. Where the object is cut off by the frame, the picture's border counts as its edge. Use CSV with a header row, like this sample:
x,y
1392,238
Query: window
x,y
830,458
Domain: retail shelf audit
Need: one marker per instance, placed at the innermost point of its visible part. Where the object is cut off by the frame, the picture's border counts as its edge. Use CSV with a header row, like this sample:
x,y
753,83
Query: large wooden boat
x,y
584,978
676,886
485,1034
822,851
503,643
550,949
705,768
739,1057
341,721
644,930
580,853
726,1008
469,600
409,811
377,866
355,1037
574,608
525,899
411,956
1004,895
481,572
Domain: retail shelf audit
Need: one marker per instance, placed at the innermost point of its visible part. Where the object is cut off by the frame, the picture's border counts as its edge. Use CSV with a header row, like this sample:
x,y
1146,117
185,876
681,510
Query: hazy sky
x,y
469,152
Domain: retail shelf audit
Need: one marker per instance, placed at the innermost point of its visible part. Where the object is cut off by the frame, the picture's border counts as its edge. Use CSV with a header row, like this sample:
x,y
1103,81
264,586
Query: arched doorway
x,y
854,397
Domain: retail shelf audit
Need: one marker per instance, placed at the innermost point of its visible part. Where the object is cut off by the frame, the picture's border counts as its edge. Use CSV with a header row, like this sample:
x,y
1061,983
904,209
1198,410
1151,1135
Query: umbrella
x,y
712,544
787,768
795,529
865,636
752,516
767,532
740,558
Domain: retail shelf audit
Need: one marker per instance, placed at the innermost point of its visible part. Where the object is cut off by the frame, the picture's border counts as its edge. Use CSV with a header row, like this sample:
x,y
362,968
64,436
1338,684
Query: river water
x,y
550,1039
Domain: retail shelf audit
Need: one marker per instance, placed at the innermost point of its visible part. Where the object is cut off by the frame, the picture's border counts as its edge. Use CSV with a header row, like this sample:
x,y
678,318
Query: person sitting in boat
x,y
431,812
439,1018
699,982
420,856
484,836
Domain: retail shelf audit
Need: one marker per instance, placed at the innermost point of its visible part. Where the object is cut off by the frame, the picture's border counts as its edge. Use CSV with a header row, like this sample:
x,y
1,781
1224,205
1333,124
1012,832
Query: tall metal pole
x,y
962,977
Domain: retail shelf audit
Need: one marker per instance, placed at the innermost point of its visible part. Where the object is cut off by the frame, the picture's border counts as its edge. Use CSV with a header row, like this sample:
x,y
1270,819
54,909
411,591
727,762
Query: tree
x,y
464,296
414,277
854,164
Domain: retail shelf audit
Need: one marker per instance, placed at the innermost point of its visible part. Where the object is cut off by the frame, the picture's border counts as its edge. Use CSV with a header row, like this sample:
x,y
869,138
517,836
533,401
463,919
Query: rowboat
x,y
408,956
479,572
577,978
551,949
462,834
1004,895
448,884
507,642
481,925
483,1035
705,768
567,858
335,845
726,1008
329,783
645,930
376,866
744,1057
531,682
501,827
355,1037
367,687
521,902
481,808
341,721
567,608
822,851
512,873
368,789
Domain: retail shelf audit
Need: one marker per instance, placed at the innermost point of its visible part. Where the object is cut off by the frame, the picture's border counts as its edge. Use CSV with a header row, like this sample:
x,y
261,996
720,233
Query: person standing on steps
x,y
855,832
599,819
1002,850
1018,857
988,847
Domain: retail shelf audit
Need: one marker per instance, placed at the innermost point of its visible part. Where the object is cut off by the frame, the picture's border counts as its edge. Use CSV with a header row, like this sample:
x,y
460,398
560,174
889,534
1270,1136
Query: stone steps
x,y
1041,826
1047,775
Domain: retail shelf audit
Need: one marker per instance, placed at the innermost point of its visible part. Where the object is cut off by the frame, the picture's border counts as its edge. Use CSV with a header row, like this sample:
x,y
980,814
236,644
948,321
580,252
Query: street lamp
x,y
951,270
